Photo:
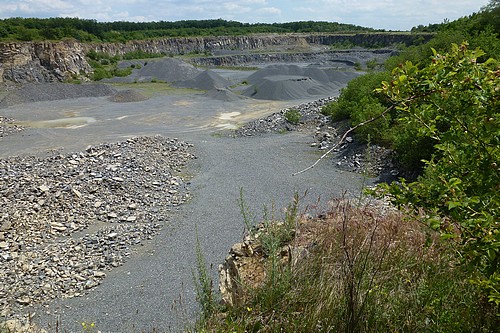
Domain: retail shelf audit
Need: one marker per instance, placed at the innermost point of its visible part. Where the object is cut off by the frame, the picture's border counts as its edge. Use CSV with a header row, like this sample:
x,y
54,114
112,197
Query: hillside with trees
x,y
35,29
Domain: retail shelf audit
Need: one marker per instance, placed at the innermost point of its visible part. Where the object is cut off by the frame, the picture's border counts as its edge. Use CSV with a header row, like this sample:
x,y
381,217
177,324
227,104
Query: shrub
x,y
293,116
140,54
358,102
455,102
101,73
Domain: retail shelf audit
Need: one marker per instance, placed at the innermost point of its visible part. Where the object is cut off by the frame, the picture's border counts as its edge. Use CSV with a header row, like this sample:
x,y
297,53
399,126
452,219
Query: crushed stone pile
x,y
222,94
349,155
339,77
162,69
315,73
310,113
127,96
287,87
206,80
68,219
38,92
288,82
8,127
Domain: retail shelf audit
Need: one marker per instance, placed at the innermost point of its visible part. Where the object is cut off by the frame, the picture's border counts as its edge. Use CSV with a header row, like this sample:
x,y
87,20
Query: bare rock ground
x,y
35,92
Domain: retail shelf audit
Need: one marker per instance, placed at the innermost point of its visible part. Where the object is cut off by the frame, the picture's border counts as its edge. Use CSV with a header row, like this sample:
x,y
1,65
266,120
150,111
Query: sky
x,y
379,14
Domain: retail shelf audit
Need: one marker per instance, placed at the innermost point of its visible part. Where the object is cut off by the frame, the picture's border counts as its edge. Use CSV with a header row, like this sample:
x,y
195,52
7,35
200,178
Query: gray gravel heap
x,y
127,96
67,219
37,92
7,127
162,69
206,80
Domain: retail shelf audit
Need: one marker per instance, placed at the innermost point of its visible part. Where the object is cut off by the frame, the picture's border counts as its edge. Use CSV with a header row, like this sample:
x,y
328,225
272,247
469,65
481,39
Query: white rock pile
x,y
65,220
8,127
310,113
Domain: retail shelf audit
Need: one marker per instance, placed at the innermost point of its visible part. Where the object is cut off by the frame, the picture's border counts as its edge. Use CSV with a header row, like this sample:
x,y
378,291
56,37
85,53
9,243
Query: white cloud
x,y
270,10
235,8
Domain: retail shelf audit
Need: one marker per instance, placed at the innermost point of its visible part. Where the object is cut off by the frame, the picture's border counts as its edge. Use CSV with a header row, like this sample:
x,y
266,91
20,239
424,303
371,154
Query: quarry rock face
x,y
57,61
42,61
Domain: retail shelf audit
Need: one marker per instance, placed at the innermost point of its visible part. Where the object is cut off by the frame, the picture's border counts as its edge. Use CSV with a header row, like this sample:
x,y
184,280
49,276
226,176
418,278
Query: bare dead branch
x,y
342,139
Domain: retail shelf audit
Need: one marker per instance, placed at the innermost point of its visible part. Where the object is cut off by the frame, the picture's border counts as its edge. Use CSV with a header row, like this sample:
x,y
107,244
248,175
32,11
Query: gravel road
x,y
153,290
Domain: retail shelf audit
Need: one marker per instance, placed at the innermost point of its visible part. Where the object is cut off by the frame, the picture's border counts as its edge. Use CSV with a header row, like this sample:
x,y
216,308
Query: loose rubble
x,y
350,155
277,123
8,127
68,219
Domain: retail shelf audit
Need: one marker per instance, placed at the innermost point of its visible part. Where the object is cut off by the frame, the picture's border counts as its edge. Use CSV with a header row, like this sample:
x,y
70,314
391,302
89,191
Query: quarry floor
x,y
154,291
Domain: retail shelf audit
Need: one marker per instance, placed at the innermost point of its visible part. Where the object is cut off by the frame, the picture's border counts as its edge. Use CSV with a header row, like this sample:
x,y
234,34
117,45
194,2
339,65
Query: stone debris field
x,y
122,192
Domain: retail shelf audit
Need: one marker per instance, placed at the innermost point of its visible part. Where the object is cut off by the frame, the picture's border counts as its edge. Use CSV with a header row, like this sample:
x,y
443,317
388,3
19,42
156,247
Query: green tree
x,y
455,101
358,102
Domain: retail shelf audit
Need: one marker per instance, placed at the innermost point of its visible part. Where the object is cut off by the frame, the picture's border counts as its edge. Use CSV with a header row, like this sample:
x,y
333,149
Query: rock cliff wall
x,y
58,61
175,46
42,61
341,58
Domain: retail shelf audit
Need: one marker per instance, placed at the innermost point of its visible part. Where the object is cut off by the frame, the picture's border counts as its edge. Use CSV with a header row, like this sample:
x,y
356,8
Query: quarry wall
x,y
59,61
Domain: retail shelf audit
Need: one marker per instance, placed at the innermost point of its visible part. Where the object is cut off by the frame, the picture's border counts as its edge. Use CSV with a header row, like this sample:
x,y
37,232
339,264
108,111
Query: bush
x,y
455,102
293,116
139,54
411,146
101,73
358,102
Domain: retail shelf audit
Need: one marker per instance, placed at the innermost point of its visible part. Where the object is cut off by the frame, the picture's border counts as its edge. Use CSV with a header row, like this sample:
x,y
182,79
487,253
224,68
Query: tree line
x,y
85,30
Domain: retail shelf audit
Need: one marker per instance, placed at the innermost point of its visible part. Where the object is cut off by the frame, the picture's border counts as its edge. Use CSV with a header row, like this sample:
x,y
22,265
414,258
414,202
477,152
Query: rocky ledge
x,y
68,219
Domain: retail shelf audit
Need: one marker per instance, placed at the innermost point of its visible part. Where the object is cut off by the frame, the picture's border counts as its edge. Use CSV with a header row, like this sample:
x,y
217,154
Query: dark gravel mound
x,y
314,72
205,81
127,96
164,69
288,82
287,87
339,77
37,92
223,95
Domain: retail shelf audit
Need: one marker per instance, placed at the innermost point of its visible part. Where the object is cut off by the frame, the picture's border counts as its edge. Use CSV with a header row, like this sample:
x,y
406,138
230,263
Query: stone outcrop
x,y
342,58
42,61
209,45
246,267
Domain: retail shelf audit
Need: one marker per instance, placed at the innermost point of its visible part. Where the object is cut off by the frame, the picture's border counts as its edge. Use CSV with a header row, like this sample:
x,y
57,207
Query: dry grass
x,y
366,269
